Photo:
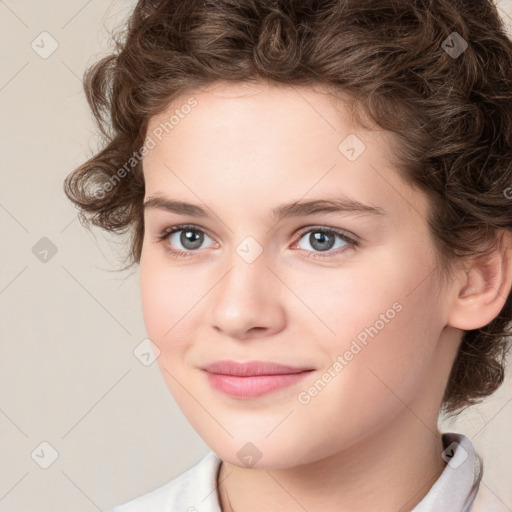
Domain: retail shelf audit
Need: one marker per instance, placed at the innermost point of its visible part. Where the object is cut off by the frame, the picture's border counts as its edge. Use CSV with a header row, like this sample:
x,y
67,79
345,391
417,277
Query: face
x,y
349,294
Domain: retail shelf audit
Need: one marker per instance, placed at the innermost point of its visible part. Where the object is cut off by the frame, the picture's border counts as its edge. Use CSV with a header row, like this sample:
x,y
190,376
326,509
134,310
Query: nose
x,y
247,300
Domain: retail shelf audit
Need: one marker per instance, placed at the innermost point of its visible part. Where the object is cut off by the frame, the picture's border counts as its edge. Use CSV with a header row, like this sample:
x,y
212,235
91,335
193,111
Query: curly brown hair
x,y
436,73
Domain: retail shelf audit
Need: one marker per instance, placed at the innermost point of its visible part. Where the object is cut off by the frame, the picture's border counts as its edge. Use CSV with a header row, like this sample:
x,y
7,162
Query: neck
x,y
391,470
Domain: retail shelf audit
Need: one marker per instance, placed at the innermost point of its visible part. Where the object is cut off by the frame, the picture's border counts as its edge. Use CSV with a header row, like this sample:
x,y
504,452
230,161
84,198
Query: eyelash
x,y
351,242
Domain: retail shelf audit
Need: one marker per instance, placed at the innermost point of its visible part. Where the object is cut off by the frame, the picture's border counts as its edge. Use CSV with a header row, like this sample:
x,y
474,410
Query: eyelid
x,y
183,227
337,231
351,242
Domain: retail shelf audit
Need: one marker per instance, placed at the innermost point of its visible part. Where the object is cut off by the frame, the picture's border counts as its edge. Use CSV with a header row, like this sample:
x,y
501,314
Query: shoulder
x,y
191,491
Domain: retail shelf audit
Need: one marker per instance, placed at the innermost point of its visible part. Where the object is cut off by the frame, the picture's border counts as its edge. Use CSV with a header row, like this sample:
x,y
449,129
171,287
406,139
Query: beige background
x,y
69,326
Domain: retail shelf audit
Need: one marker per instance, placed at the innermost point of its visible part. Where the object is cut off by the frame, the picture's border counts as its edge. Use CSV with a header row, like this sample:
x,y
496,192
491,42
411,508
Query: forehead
x,y
253,101
265,140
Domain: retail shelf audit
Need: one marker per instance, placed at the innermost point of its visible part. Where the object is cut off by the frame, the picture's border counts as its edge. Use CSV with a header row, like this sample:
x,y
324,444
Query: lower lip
x,y
250,387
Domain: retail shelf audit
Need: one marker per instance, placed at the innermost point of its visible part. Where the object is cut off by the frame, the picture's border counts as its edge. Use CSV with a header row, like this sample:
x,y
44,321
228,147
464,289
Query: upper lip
x,y
252,368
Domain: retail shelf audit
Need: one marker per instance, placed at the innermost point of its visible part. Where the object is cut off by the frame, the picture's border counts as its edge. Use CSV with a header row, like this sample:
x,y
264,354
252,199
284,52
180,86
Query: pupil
x,y
320,237
195,239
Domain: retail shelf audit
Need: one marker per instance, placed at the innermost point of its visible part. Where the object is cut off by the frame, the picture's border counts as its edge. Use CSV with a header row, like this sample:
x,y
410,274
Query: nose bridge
x,y
250,250
245,296
247,267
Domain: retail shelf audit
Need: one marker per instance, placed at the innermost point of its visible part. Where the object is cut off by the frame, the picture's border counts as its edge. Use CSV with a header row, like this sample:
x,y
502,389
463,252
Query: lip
x,y
252,368
253,378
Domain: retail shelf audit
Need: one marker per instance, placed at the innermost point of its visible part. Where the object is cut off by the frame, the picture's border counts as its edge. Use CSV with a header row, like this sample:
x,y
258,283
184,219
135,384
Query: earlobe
x,y
483,288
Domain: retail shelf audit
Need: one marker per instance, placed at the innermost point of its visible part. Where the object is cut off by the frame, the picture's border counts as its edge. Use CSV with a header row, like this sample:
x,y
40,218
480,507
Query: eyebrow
x,y
332,204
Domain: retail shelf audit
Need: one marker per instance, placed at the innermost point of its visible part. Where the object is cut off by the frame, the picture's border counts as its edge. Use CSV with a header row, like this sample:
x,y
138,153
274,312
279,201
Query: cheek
x,y
162,301
156,300
384,316
172,311
163,306
392,366
166,294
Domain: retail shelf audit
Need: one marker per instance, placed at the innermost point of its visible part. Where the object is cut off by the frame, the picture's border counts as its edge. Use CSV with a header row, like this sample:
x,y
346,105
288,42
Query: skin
x,y
369,439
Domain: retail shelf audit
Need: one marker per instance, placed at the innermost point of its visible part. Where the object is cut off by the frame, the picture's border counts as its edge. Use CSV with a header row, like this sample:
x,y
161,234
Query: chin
x,y
265,454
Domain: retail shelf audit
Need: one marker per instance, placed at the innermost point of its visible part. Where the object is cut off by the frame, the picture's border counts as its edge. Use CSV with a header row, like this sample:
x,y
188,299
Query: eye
x,y
188,236
323,239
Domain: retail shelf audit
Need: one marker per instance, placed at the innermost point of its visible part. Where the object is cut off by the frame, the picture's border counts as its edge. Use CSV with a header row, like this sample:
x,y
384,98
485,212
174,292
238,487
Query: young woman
x,y
319,199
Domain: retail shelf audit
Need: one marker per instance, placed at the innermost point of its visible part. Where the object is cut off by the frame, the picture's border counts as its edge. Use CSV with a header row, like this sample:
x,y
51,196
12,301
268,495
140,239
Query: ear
x,y
482,288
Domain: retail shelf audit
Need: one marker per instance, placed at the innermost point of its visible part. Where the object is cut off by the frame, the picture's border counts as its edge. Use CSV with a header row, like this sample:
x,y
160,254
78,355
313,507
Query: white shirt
x,y
459,488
